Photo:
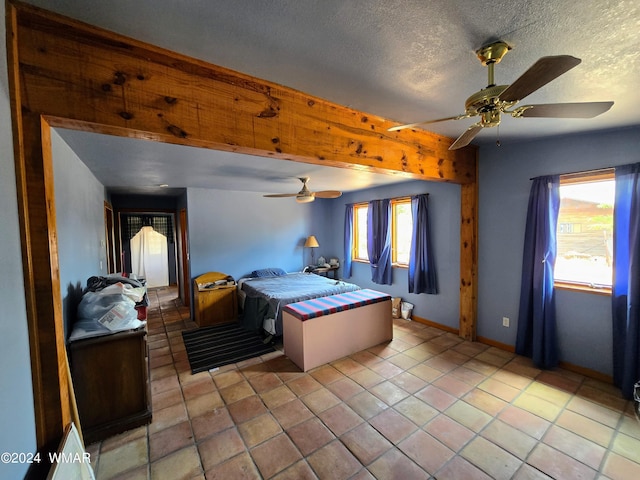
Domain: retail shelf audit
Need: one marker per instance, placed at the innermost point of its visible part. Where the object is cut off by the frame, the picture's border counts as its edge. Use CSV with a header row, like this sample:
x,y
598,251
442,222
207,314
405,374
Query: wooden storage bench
x,y
325,329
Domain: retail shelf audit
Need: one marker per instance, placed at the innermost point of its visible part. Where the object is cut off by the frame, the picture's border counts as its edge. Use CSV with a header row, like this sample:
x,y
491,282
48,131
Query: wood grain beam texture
x,y
78,72
78,76
468,261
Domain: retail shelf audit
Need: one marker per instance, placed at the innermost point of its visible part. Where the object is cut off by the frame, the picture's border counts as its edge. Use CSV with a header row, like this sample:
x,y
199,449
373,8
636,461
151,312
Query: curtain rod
x,y
586,172
392,198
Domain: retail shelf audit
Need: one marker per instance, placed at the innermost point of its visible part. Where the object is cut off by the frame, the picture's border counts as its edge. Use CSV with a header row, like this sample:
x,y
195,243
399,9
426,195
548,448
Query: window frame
x,y
356,227
575,178
394,239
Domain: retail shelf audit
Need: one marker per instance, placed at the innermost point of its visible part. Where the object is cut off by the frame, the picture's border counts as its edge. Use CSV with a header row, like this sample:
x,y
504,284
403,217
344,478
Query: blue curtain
x,y
536,337
626,279
348,240
379,240
422,271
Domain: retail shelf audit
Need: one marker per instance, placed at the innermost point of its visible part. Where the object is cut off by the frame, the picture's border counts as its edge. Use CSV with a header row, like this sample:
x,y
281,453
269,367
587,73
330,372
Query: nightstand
x,y
214,302
325,271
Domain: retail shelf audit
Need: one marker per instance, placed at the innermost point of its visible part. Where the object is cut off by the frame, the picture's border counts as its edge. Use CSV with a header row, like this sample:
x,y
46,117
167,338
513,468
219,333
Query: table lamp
x,y
311,243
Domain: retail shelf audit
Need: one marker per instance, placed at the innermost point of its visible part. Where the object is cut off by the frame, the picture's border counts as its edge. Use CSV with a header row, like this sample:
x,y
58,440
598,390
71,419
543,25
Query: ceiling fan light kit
x,y
494,100
305,198
305,195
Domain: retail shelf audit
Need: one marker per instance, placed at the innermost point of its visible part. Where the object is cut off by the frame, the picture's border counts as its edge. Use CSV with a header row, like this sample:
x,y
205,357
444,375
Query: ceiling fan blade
x,y
464,139
566,110
281,195
411,125
539,74
328,194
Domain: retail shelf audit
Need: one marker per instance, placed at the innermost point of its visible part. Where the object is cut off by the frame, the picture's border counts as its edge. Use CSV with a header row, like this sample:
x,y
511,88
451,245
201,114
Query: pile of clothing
x,y
110,304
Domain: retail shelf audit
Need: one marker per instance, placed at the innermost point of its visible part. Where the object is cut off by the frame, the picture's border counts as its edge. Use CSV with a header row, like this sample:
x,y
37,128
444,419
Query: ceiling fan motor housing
x,y
487,104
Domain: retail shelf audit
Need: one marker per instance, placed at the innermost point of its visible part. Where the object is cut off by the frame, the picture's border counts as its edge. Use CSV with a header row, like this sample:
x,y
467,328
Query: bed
x,y
263,296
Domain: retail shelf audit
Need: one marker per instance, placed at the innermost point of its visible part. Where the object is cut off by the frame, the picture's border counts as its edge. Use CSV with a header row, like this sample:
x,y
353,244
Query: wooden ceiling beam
x,y
85,74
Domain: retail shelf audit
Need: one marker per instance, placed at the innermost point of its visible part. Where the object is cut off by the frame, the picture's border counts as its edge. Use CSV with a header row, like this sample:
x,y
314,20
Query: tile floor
x,y
426,405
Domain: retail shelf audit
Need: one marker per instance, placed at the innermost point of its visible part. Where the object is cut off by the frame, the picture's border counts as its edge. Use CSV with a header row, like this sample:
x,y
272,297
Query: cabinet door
x,y
226,306
216,306
111,385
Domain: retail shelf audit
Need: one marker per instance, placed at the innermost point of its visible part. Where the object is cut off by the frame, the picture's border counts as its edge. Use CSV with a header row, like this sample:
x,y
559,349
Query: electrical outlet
x,y
505,321
100,265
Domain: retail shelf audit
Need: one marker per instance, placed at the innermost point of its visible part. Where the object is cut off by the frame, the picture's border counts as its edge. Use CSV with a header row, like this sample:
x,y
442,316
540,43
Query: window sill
x,y
393,265
578,287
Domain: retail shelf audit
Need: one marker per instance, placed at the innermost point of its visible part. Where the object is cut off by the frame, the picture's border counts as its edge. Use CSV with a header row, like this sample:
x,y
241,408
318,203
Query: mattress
x,y
264,297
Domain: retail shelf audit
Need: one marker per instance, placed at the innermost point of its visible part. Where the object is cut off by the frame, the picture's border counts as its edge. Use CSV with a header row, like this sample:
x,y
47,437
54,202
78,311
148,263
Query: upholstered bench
x,y
324,329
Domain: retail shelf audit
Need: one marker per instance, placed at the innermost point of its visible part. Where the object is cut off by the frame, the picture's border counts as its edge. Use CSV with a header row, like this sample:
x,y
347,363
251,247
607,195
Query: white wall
x,y
16,397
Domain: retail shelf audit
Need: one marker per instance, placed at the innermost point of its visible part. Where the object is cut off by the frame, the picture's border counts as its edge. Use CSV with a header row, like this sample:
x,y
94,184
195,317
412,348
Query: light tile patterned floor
x,y
426,405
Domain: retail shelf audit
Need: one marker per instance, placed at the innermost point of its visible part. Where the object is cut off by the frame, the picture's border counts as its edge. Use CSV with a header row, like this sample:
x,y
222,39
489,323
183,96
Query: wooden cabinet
x,y
214,303
111,382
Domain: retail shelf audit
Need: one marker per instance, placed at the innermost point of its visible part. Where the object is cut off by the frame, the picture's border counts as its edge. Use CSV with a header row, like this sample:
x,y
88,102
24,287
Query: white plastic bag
x,y
135,293
102,313
406,309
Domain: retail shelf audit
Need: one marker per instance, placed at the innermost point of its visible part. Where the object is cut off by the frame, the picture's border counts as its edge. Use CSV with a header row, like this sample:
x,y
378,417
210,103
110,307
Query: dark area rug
x,y
218,345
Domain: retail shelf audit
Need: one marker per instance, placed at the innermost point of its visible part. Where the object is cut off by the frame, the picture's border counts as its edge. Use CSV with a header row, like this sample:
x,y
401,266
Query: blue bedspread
x,y
294,287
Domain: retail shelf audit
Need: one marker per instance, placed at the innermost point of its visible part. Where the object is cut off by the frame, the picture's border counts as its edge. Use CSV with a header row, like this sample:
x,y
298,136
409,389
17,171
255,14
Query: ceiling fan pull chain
x,y
498,136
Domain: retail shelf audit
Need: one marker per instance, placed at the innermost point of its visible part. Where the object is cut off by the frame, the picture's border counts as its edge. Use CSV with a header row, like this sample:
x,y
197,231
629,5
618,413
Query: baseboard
x,y
429,323
492,343
587,372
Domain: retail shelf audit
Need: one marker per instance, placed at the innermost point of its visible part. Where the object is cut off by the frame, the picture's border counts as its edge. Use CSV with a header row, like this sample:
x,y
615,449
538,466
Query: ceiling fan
x,y
494,100
305,195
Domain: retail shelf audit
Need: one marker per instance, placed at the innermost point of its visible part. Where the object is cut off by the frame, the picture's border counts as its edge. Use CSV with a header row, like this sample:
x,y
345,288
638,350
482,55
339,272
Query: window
x,y
401,230
585,231
360,232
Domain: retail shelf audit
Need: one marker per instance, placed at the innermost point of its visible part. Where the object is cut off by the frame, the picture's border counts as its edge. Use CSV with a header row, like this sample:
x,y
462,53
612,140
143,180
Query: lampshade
x,y
311,242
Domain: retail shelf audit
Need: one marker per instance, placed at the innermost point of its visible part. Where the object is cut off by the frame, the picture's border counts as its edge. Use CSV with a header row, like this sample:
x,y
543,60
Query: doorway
x,y
162,224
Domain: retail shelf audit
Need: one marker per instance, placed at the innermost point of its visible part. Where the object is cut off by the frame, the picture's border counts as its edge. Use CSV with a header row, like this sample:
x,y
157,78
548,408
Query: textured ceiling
x,y
405,60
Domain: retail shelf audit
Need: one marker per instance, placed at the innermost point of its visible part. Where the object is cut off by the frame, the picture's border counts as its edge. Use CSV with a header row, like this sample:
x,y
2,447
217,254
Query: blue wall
x,y
18,432
444,211
584,319
238,232
80,221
